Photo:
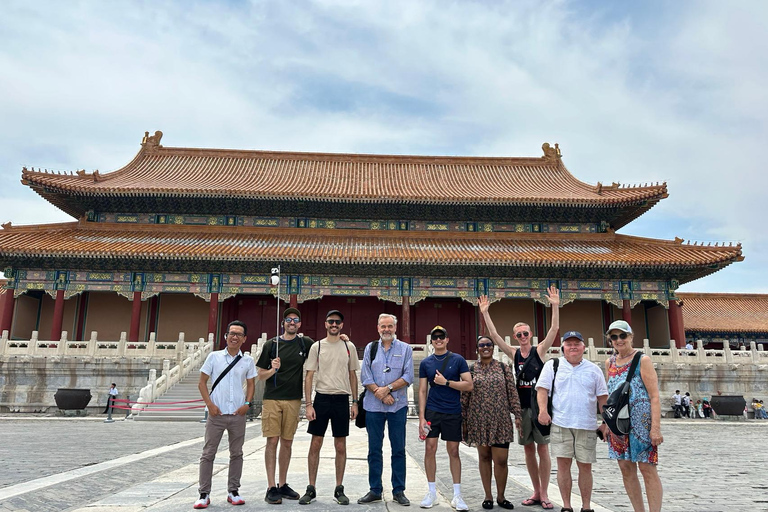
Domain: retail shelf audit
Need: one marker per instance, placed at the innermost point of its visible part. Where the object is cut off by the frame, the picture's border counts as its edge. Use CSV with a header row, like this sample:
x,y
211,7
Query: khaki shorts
x,y
280,418
529,433
573,443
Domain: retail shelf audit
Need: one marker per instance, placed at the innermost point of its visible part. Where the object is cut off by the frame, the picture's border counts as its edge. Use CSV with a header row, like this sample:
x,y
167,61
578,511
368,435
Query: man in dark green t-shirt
x,y
281,366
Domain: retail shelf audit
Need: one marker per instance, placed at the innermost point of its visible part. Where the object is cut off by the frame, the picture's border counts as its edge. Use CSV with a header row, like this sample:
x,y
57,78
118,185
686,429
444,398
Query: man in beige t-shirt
x,y
331,364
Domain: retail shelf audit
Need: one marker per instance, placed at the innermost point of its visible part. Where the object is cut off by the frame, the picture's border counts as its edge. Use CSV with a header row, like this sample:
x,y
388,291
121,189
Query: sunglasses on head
x,y
334,321
615,337
523,333
293,320
483,345
438,337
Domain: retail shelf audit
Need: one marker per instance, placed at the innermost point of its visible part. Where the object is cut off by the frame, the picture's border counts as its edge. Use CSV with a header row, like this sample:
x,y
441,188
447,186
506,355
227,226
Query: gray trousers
x,y
215,427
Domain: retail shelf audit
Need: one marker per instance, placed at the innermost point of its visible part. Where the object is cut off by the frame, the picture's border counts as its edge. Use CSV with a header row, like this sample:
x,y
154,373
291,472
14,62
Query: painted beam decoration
x,y
314,286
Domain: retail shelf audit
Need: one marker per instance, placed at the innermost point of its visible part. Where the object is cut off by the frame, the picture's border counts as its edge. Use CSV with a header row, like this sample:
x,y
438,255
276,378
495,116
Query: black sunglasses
x,y
483,345
438,337
333,321
293,320
523,333
615,337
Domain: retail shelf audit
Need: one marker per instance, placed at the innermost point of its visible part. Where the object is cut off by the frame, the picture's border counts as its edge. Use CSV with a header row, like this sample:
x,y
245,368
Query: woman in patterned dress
x,y
638,449
486,414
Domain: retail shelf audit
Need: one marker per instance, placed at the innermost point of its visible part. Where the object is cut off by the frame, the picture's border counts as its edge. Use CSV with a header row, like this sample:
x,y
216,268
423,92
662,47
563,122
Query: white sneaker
x,y
235,499
202,502
430,500
458,503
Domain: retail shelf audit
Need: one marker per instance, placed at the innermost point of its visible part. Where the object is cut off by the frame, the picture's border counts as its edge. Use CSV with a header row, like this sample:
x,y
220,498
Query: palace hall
x,y
184,239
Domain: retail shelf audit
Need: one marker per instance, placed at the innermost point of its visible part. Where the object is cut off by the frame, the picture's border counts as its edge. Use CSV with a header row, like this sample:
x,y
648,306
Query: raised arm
x,y
553,294
484,305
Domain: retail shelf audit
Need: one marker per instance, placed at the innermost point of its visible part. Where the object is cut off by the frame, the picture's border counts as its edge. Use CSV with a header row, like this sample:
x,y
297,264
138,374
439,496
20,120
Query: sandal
x,y
566,509
547,505
587,510
505,504
488,504
530,502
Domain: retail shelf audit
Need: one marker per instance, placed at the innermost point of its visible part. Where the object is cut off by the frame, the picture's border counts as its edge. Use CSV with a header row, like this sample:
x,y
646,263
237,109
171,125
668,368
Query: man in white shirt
x,y
677,399
227,406
578,389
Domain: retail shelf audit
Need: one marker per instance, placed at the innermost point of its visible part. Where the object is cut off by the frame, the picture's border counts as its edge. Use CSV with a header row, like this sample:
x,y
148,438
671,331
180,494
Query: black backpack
x,y
616,410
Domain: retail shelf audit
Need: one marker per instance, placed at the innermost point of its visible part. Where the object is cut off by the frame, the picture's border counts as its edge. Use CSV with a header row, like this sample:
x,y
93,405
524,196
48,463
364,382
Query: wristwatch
x,y
390,387
248,403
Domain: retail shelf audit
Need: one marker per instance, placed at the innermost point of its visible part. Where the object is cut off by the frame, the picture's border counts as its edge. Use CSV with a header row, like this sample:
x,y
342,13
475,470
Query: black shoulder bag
x,y
616,409
544,429
360,419
226,371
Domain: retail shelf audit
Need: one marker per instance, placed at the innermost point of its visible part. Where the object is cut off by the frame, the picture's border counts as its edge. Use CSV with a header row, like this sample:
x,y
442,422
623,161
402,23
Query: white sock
x,y
432,487
456,489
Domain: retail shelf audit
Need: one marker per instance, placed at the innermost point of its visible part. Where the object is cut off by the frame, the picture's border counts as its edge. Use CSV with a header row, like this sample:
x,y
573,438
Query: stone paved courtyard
x,y
49,464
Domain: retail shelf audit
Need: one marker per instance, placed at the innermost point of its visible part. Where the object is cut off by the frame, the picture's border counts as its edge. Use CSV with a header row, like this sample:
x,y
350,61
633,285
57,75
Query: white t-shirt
x,y
228,395
574,404
678,399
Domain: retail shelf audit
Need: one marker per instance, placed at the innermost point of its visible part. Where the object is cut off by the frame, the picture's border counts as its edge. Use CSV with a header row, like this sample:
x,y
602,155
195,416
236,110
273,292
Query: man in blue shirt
x,y
445,375
386,378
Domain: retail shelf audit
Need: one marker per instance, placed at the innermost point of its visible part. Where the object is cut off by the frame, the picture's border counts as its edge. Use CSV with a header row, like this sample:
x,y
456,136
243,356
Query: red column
x,y
133,332
676,329
7,313
58,316
213,314
405,328
294,301
626,312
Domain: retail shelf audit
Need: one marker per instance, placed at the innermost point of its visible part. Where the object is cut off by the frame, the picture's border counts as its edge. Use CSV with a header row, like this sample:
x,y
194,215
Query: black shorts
x,y
447,426
333,408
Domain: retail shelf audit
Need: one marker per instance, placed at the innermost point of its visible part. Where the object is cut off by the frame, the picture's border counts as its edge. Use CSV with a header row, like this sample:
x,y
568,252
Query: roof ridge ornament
x,y
551,154
7,225
152,141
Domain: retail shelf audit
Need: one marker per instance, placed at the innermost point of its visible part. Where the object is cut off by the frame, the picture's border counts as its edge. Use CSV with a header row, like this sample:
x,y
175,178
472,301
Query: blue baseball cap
x,y
573,334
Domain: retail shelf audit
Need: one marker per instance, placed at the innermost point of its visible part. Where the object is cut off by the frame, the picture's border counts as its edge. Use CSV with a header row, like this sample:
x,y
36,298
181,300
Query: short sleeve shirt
x,y
574,404
228,395
332,362
443,399
287,383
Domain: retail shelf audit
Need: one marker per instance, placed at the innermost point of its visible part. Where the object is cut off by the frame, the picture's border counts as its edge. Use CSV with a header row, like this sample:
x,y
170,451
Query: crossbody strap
x,y
226,371
635,363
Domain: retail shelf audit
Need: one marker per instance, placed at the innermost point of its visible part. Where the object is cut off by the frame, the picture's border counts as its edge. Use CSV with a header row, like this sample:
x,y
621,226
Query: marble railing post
x,y
646,347
674,351
122,344
180,348
702,356
591,350
166,368
727,351
753,349
152,381
32,347
61,348
3,342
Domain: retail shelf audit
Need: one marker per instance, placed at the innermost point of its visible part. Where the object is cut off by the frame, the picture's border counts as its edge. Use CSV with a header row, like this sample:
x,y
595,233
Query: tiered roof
x,y
725,312
205,248
161,179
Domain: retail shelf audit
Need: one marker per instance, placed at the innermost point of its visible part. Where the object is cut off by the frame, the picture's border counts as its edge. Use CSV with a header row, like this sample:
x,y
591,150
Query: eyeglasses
x,y
522,334
615,337
483,345
334,321
438,337
236,334
293,320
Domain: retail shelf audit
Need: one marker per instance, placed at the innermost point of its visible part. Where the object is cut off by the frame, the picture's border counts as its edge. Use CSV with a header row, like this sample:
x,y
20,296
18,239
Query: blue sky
x,y
634,93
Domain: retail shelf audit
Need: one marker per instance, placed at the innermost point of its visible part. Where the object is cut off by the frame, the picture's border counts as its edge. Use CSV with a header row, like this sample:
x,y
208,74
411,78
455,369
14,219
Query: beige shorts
x,y
573,443
529,433
280,418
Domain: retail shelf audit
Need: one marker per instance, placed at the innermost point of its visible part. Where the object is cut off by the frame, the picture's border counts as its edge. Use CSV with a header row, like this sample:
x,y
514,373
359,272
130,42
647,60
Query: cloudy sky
x,y
633,92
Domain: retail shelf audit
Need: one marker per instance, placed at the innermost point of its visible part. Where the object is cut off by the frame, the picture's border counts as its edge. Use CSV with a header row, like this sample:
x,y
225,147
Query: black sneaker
x,y
273,496
339,496
400,498
288,493
369,498
308,496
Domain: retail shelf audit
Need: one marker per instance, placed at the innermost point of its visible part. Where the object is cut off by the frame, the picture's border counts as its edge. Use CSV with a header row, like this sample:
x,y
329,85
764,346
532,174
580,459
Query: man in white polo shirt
x,y
227,406
578,389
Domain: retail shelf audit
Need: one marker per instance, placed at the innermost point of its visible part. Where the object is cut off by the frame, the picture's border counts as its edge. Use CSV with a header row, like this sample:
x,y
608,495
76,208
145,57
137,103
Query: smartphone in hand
x,y
599,434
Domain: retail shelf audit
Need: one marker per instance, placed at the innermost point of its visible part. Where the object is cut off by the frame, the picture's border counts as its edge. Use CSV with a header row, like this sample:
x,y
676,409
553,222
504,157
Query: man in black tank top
x,y
528,364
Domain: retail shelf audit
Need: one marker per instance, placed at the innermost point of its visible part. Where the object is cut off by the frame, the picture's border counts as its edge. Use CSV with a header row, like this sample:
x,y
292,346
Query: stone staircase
x,y
184,390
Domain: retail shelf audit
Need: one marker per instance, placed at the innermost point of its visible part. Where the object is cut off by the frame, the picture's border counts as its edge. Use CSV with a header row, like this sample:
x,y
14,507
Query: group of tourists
x,y
552,405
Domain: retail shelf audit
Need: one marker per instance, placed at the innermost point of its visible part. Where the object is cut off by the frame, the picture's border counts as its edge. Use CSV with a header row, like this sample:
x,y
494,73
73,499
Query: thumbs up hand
x,y
439,379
